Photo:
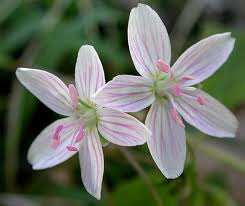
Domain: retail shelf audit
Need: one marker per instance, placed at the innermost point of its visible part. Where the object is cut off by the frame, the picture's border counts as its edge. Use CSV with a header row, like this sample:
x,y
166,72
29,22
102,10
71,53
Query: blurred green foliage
x,y
47,34
228,81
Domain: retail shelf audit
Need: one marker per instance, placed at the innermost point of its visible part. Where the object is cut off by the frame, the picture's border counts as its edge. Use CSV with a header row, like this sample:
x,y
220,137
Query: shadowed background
x,y
47,34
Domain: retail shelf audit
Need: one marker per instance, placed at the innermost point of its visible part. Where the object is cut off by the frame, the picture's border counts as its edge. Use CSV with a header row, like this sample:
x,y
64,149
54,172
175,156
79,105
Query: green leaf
x,y
135,192
7,7
69,35
20,31
56,43
217,195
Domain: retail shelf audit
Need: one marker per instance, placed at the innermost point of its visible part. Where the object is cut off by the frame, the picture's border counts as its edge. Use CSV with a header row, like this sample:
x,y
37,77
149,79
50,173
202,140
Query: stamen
x,y
188,78
176,90
188,89
176,118
73,95
173,112
71,148
80,136
171,99
73,124
56,137
163,66
201,100
189,96
76,137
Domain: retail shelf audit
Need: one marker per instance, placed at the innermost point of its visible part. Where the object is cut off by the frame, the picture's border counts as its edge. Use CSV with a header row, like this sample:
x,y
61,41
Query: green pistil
x,y
87,111
159,87
90,118
88,105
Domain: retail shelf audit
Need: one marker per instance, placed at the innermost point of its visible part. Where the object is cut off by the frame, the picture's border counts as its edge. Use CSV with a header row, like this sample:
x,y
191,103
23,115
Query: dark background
x,y
47,34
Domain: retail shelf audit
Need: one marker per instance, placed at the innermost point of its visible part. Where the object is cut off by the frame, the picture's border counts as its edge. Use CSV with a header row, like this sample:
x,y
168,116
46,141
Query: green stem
x,y
135,164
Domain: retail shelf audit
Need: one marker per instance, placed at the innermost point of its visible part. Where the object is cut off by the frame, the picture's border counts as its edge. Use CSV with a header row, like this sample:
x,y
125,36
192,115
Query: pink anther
x,y
176,89
201,100
163,66
80,136
188,78
56,137
71,148
176,118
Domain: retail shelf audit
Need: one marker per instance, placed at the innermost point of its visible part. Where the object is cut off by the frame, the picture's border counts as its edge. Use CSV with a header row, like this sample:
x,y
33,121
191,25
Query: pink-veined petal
x,y
121,128
89,73
204,58
126,93
148,40
42,155
48,88
168,144
92,163
212,117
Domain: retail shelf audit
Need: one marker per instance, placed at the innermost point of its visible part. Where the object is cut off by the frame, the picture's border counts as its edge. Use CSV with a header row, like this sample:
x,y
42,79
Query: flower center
x,y
168,87
86,118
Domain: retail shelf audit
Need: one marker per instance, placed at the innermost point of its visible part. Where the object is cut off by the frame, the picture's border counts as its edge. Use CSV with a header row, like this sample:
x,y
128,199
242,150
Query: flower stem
x,y
131,159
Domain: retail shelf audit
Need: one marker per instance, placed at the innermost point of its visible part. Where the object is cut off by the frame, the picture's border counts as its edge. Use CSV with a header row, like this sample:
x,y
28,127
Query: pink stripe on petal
x,y
167,145
203,59
92,163
211,117
126,93
135,106
127,138
47,88
121,128
89,73
148,40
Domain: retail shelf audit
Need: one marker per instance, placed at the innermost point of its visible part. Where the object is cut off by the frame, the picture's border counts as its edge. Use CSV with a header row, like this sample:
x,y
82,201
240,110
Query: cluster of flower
x,y
96,111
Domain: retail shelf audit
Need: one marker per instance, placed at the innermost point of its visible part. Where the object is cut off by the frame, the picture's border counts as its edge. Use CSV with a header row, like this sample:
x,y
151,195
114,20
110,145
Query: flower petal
x,y
121,128
41,155
168,144
89,74
148,40
126,93
92,163
212,118
47,88
203,59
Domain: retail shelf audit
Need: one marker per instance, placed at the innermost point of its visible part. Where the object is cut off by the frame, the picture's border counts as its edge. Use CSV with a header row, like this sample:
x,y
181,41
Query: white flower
x,y
168,90
86,123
